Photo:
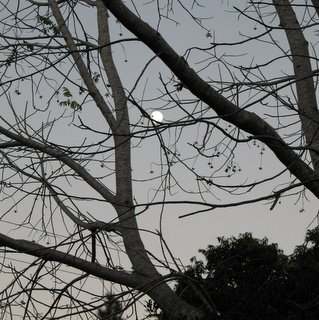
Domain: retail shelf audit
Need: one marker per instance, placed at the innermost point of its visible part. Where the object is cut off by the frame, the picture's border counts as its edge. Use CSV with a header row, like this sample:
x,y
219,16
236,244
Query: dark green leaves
x,y
48,25
70,102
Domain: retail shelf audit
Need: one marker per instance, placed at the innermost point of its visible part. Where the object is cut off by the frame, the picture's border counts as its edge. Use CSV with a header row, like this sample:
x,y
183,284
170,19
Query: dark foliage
x,y
112,309
246,278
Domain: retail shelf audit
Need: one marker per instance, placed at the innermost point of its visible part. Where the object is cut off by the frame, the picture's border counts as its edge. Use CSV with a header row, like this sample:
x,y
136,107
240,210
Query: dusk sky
x,y
147,81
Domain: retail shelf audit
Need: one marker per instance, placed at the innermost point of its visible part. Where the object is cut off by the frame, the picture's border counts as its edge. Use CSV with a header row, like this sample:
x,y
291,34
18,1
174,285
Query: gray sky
x,y
285,225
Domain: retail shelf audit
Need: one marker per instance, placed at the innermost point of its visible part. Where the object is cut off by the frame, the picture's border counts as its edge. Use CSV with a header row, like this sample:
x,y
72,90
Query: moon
x,y
157,116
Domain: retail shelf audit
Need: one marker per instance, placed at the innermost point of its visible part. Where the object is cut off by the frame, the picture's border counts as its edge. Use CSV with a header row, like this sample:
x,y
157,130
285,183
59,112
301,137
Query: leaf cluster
x,y
48,25
70,102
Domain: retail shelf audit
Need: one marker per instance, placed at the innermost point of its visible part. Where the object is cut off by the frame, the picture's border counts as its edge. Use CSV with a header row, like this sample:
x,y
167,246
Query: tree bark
x,y
247,121
306,92
153,284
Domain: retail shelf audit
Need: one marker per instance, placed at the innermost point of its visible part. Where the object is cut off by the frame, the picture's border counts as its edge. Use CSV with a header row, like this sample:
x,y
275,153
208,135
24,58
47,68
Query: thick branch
x,y
61,156
92,226
129,228
166,298
119,96
306,93
243,119
48,254
85,74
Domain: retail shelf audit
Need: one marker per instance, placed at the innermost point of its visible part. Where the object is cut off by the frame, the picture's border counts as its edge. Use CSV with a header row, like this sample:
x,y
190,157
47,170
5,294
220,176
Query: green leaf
x,y
67,92
76,106
72,104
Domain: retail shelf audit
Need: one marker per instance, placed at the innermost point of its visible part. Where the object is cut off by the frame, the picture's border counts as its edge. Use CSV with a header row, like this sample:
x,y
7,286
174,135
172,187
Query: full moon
x,y
157,116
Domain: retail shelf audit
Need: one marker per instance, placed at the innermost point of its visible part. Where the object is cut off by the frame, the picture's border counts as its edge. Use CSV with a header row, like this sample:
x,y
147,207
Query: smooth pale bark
x,y
82,69
173,306
124,199
161,292
244,120
306,92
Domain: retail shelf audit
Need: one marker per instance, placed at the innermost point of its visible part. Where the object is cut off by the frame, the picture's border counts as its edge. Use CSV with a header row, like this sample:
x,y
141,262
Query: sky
x,y
286,224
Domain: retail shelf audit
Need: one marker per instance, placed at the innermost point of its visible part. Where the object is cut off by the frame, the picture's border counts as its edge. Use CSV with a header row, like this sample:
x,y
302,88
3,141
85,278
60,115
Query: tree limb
x,y
61,156
85,75
306,92
228,111
51,254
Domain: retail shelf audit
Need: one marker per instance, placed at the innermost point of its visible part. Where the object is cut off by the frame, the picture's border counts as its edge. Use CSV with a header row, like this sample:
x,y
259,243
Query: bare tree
x,y
71,121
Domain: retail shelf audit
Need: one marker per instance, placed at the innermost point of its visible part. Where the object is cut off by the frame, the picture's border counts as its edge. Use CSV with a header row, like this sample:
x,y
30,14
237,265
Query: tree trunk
x,y
306,93
243,119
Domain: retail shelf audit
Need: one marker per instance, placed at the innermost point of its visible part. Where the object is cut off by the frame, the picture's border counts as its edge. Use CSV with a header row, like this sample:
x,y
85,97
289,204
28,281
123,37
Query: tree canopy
x,y
247,278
